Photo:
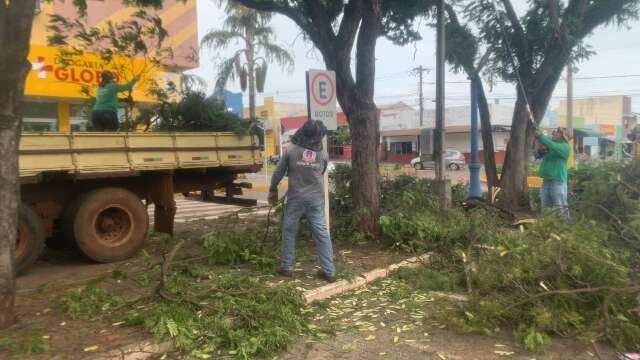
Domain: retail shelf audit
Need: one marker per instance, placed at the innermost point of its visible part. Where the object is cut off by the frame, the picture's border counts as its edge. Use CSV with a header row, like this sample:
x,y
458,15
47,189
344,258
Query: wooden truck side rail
x,y
96,153
90,187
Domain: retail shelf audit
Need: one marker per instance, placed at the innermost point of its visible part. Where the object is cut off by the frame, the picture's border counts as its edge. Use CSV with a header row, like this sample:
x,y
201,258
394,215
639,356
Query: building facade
x,y
461,116
601,125
53,91
398,116
270,113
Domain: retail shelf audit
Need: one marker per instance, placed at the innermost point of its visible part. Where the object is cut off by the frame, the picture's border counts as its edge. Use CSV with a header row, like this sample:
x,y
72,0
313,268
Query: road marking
x,y
189,210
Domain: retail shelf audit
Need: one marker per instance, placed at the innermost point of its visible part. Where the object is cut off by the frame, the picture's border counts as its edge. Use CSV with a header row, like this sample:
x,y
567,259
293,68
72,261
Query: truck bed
x,y
87,153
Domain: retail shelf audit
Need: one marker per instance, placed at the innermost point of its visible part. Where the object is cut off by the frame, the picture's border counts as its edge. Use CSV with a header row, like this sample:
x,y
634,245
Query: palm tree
x,y
252,28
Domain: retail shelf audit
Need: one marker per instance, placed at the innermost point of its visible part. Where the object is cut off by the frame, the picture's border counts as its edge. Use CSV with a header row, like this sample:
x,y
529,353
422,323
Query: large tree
x,y
252,29
16,17
534,48
335,27
464,51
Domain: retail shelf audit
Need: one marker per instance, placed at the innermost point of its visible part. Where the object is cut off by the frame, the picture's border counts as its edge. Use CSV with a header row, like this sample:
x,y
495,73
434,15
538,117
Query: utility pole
x,y
570,100
569,124
419,70
443,185
475,189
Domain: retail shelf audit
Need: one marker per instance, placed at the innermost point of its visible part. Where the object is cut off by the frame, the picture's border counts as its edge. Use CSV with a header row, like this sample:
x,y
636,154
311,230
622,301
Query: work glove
x,y
273,198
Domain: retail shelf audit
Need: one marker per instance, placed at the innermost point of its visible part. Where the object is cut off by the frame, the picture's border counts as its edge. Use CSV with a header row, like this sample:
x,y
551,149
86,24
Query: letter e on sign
x,y
321,92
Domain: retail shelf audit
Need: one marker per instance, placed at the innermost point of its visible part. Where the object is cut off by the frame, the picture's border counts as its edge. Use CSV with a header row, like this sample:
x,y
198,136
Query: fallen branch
x,y
166,268
595,349
629,289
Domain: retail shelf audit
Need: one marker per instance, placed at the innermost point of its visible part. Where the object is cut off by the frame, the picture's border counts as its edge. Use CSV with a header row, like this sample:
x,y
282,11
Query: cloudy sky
x,y
617,60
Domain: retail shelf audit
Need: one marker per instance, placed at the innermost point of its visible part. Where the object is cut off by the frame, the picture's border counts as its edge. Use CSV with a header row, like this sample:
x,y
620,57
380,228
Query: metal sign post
x,y
321,105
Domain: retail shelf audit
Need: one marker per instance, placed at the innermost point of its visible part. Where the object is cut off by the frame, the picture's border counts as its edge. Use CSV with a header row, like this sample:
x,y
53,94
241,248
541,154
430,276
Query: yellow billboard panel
x,y
54,75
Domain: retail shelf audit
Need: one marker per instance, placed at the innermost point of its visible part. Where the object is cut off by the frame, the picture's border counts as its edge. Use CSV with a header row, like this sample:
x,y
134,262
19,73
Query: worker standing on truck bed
x,y
104,116
304,161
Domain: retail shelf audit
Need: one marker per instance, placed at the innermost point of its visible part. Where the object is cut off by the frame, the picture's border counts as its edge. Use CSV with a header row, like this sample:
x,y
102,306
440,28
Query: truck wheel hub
x,y
113,226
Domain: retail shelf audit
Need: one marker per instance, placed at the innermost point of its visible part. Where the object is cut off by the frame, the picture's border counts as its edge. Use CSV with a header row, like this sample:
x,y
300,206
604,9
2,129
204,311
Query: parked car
x,y
453,160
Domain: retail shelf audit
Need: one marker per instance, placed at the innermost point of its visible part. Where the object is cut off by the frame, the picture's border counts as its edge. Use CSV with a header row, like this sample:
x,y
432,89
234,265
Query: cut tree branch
x,y
628,289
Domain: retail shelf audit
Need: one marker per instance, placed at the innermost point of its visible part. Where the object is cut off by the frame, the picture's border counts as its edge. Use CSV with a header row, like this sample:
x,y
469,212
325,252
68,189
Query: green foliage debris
x,y
233,317
89,302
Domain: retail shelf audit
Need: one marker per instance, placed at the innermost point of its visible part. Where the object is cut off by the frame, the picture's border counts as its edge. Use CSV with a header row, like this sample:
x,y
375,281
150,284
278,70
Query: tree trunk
x,y
16,17
252,76
514,172
364,122
365,185
490,169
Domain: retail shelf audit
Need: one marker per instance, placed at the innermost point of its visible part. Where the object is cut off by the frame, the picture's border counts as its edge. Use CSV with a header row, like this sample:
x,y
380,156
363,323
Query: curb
x,y
341,286
265,187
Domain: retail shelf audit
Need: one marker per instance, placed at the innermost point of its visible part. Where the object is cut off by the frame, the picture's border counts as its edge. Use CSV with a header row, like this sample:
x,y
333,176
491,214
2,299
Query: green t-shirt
x,y
554,163
107,96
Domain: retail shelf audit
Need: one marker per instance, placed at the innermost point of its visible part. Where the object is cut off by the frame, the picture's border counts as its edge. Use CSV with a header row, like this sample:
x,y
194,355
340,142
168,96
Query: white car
x,y
453,159
331,167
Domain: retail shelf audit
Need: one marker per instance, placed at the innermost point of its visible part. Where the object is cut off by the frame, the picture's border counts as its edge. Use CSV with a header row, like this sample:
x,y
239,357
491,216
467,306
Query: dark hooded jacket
x,y
304,162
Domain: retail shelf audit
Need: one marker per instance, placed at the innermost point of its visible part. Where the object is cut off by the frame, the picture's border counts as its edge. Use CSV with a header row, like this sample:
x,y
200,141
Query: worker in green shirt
x,y
104,116
553,171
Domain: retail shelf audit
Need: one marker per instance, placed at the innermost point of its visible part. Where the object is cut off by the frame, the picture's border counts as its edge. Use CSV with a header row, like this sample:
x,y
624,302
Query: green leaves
x,y
240,318
89,302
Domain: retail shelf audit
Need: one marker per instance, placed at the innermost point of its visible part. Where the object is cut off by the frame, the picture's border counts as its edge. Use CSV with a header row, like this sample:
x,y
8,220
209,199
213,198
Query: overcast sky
x,y
618,54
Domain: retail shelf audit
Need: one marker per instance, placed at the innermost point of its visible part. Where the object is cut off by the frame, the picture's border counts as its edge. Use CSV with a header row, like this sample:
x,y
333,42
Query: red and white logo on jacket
x,y
309,156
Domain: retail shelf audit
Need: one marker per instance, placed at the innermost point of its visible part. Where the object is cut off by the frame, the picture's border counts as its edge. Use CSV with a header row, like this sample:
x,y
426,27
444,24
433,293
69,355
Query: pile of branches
x,y
554,279
609,193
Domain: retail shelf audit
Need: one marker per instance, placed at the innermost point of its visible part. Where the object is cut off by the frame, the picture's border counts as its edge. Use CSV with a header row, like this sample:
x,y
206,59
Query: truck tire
x,y
30,239
107,224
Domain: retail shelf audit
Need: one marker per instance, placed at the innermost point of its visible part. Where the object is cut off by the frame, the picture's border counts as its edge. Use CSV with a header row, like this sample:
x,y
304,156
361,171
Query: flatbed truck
x,y
92,189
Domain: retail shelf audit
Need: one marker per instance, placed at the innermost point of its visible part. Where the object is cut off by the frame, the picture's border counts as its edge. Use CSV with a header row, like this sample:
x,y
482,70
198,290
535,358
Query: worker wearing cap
x,y
553,171
304,162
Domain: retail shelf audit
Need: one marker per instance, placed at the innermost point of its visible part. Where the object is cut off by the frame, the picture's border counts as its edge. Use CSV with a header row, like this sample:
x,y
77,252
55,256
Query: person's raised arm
x,y
128,85
558,148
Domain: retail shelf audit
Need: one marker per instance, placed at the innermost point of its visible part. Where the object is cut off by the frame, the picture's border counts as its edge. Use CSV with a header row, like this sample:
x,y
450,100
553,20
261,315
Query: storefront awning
x,y
588,132
616,140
